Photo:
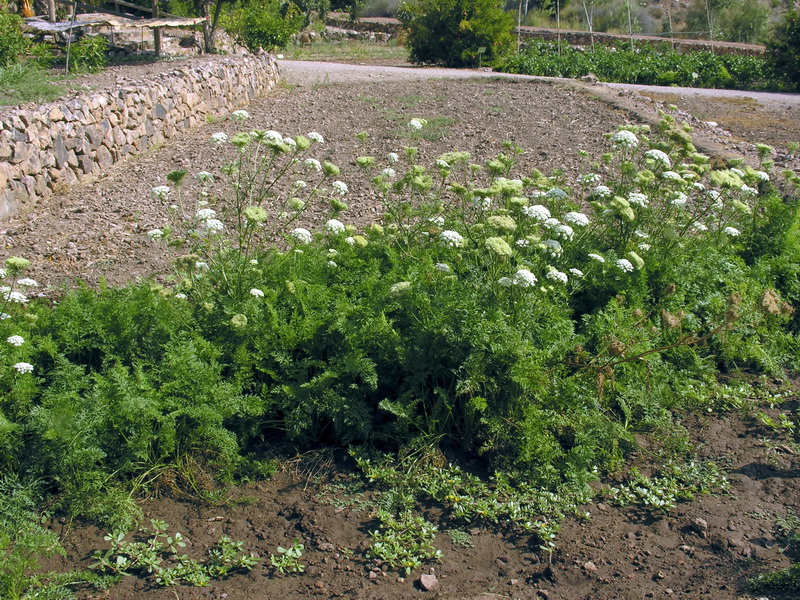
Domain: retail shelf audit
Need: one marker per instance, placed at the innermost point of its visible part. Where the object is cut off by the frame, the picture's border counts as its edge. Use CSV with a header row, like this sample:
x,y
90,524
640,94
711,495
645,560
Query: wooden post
x,y
156,30
51,11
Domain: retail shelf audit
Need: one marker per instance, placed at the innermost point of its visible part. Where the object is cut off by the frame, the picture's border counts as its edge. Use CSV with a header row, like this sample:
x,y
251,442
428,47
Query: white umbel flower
x,y
301,236
524,278
15,340
451,238
625,139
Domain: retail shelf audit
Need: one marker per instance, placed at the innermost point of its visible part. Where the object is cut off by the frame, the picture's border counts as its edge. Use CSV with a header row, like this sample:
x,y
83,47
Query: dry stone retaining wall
x,y
64,142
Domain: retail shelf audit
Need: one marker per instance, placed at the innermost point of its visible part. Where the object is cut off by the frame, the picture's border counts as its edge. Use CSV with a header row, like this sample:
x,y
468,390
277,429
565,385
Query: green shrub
x,y
647,65
12,41
266,25
450,32
783,50
88,55
536,325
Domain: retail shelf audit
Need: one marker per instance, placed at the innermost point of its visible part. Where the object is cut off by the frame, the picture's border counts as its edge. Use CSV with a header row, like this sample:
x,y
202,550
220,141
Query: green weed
x,y
288,559
159,557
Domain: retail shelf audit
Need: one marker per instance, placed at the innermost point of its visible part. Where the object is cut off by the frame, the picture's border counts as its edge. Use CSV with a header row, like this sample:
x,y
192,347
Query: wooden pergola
x,y
112,18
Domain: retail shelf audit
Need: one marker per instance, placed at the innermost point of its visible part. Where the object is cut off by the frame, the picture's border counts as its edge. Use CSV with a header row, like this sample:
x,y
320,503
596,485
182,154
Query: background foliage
x,y
449,32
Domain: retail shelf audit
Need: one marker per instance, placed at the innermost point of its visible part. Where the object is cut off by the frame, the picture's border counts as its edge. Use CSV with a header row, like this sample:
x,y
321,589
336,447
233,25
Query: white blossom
x,y
552,223
680,199
389,172
659,157
624,264
240,115
313,163
556,275
638,198
749,191
315,137
576,218
762,176
256,293
576,272
438,220
589,179
564,231
442,267
601,191
160,192
204,177
155,234
300,235
524,278
732,231
334,226
12,296
596,257
625,139
219,137
415,124
213,225
204,214
451,238
537,212
672,176
23,367
27,282
340,187
15,340
393,157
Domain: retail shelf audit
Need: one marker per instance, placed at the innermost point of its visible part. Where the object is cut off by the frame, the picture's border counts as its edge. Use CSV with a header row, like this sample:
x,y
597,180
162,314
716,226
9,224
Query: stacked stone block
x,y
65,142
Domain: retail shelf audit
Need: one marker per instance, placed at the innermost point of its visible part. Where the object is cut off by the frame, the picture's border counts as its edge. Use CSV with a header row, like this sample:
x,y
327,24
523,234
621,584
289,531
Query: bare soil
x,y
96,231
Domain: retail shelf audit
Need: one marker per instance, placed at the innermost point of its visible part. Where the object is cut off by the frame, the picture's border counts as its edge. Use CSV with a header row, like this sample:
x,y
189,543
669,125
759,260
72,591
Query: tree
x,y
450,32
783,50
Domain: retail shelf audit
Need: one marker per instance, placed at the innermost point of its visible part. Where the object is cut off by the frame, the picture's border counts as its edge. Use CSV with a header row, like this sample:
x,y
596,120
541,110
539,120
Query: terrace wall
x,y
65,142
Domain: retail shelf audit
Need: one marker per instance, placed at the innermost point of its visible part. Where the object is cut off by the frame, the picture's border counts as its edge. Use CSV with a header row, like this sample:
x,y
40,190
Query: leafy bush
x,y
12,42
511,315
783,50
647,65
450,32
88,55
266,25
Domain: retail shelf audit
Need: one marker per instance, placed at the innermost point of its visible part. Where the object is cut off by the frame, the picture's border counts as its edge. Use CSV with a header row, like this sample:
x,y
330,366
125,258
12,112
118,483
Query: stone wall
x,y
67,141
